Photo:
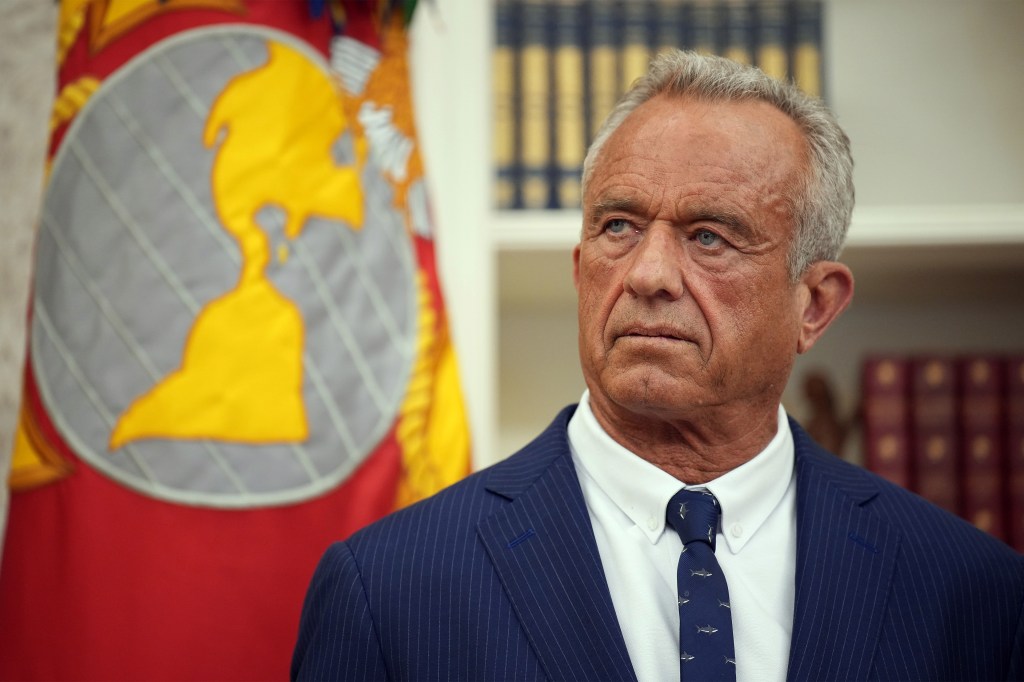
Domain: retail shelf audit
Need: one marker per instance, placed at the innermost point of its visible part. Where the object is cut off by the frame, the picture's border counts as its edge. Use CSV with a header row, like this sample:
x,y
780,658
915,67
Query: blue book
x,y
671,21
506,145
570,125
771,39
636,41
603,62
535,79
807,63
738,32
704,27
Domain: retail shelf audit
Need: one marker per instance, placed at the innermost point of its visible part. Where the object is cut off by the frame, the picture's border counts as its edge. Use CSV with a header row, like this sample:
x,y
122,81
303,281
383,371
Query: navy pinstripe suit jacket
x,y
499,578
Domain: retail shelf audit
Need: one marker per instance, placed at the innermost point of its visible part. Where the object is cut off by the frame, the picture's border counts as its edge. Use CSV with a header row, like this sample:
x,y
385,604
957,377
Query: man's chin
x,y
647,390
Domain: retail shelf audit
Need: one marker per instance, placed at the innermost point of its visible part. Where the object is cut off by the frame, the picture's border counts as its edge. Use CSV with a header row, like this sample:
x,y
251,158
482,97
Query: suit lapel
x,y
845,559
543,549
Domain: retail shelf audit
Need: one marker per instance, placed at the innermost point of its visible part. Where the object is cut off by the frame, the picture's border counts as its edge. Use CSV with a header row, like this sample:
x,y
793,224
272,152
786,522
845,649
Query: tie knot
x,y
694,515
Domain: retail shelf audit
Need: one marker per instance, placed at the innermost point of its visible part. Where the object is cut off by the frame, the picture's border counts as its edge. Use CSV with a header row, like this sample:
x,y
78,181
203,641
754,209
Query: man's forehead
x,y
684,132
753,121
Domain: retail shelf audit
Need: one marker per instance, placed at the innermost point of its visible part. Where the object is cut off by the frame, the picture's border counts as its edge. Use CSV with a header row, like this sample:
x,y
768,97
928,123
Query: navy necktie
x,y
705,619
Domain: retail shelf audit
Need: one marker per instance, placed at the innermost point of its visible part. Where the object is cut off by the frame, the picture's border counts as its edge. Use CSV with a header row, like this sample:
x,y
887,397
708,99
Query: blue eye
x,y
617,226
707,238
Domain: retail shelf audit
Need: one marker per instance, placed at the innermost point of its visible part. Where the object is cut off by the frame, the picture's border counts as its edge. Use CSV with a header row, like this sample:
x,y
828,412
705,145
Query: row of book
x,y
559,66
951,428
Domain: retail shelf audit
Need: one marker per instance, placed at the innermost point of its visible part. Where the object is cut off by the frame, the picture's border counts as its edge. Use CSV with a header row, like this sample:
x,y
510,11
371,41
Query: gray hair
x,y
823,204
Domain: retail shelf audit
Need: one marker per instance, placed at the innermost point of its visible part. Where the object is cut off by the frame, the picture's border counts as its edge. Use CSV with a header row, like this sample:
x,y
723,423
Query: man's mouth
x,y
654,333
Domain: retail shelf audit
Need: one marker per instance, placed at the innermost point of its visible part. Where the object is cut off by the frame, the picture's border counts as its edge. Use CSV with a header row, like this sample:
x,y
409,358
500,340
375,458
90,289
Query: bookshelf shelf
x,y
937,225
536,230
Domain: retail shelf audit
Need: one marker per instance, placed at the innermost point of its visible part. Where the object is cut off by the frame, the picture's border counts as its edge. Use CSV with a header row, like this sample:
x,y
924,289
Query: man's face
x,y
685,300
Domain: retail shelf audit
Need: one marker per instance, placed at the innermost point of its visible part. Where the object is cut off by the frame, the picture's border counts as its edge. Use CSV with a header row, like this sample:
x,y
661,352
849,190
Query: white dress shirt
x,y
756,547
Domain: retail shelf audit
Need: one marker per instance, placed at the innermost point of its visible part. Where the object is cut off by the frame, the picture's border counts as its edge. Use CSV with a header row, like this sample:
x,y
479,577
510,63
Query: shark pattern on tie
x,y
706,649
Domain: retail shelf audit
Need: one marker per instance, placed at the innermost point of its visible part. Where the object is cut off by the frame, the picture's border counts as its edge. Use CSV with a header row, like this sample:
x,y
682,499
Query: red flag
x,y
238,350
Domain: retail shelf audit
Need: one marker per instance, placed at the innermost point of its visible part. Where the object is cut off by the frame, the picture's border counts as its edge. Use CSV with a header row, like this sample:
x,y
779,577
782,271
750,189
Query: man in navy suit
x,y
716,202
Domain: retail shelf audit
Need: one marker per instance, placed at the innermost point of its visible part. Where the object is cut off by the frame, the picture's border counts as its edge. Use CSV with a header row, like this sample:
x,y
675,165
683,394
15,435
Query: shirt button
x,y
652,523
736,530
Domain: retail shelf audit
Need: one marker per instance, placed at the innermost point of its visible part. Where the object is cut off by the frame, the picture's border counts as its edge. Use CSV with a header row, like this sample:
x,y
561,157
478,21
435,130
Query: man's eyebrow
x,y
610,204
620,204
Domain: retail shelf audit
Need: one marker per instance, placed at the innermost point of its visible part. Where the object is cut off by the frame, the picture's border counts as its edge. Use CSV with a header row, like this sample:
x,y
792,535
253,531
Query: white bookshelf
x,y
930,92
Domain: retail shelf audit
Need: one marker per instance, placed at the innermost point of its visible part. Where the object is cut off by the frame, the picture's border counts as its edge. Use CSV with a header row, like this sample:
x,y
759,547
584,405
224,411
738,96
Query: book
x,y
739,32
535,78
671,20
806,60
557,62
885,399
507,192
570,125
772,51
981,443
1013,386
602,62
703,34
933,430
636,40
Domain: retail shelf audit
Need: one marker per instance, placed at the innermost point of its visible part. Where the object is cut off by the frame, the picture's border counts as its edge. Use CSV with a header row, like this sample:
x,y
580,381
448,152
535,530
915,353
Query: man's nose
x,y
656,268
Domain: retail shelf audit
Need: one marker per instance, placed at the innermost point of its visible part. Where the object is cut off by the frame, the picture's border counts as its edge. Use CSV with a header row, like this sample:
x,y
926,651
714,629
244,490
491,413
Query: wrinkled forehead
x,y
748,141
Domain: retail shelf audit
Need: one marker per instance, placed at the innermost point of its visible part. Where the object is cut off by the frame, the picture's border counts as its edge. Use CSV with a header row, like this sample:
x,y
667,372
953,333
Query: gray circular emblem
x,y
225,295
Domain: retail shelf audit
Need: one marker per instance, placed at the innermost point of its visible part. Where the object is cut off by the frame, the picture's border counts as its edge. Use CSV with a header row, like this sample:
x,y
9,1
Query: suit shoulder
x,y
448,512
450,516
924,526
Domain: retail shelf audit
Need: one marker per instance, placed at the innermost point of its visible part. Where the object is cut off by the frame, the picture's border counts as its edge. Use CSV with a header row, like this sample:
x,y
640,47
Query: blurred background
x,y
930,92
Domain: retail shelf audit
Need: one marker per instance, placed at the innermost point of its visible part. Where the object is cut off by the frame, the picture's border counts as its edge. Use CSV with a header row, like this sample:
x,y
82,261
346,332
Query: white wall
x,y
931,93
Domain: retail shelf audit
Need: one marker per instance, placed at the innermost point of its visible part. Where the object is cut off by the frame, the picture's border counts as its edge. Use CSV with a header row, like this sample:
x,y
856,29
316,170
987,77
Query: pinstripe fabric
x,y
499,578
890,587
496,578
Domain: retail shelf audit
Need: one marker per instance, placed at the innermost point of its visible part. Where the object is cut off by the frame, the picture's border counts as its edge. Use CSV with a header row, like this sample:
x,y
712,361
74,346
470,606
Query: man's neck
x,y
694,450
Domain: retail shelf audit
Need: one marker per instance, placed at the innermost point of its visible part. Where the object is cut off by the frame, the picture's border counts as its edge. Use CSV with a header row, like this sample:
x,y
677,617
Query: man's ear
x,y
829,289
576,268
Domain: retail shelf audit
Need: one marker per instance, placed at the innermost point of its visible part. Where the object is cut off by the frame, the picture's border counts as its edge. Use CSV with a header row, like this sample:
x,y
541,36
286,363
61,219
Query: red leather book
x,y
934,430
884,413
1014,391
982,465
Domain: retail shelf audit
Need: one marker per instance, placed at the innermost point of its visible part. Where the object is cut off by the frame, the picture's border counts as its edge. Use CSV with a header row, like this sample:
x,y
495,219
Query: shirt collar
x,y
748,494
